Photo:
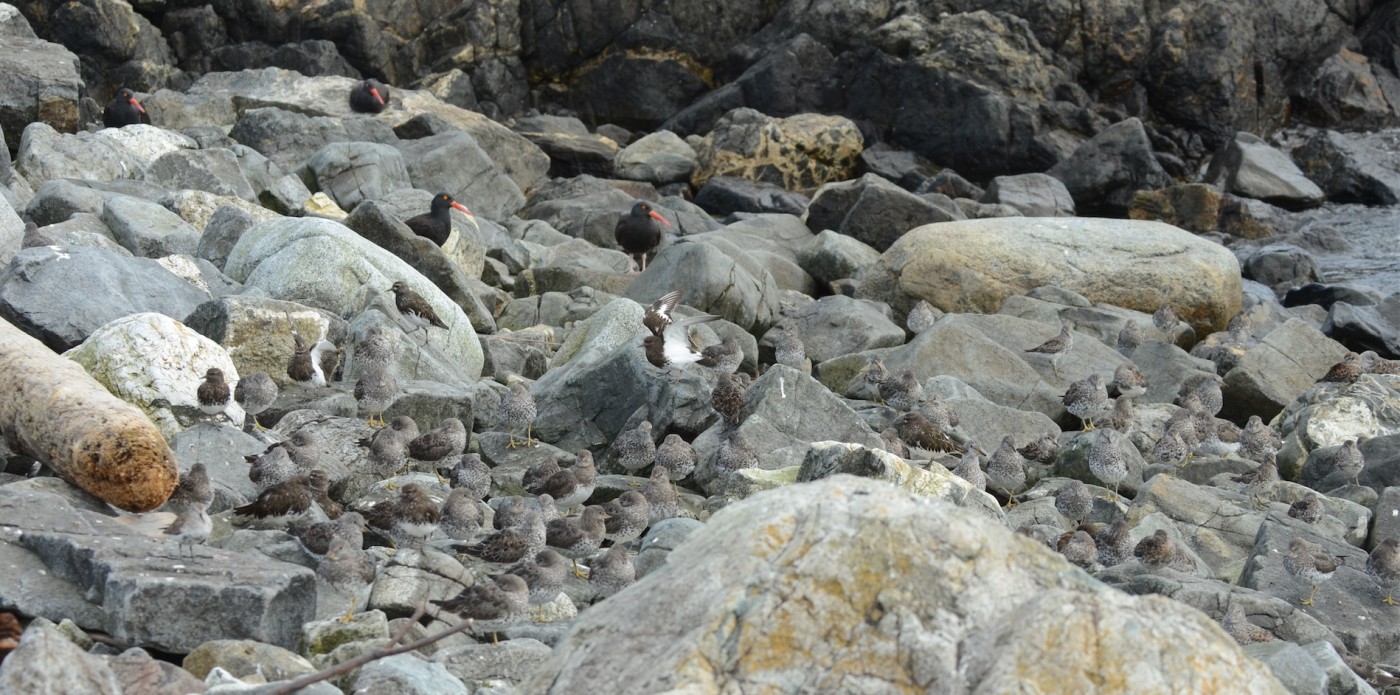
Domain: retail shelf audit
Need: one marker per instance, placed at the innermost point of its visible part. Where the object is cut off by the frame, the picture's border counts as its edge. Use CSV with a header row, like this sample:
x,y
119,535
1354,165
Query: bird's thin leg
x,y
578,572
1309,600
529,437
1389,599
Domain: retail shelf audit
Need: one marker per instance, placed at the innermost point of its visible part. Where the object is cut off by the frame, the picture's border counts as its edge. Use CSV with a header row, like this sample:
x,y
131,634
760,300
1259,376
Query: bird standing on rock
x,y
492,603
414,307
213,394
255,393
638,233
1057,347
369,96
122,110
518,411
1309,561
435,225
1087,399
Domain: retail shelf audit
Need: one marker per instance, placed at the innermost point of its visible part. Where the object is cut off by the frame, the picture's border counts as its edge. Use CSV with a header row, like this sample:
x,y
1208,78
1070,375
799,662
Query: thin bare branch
x,y
390,649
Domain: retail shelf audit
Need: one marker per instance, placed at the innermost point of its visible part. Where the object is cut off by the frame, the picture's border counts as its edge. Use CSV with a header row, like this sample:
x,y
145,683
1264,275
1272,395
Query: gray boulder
x,y
478,665
660,157
1247,166
409,674
1348,604
47,661
147,229
40,82
45,154
290,139
1281,266
1009,591
142,596
323,264
831,255
872,210
1348,170
1277,370
62,295
353,172
11,229
1106,170
826,459
453,162
1035,195
838,325
784,412
716,277
214,170
726,195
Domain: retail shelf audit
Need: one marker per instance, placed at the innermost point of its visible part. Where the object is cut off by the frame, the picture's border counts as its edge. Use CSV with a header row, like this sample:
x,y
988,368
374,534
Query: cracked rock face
x,y
850,585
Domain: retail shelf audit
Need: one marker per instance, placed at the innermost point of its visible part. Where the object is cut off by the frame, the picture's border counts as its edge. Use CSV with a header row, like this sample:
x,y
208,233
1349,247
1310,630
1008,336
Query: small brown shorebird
x,y
1057,347
414,307
1309,561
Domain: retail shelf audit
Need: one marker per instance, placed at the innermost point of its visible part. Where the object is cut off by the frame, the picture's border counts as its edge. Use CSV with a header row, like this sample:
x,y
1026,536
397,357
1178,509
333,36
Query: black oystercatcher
x,y
436,224
122,110
637,232
369,96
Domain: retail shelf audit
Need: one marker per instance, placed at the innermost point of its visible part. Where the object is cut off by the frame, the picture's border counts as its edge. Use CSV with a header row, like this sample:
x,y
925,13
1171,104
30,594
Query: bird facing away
x,y
1087,399
122,110
1345,372
255,393
638,232
435,225
1106,462
658,316
369,96
1384,566
1057,347
612,572
414,307
449,438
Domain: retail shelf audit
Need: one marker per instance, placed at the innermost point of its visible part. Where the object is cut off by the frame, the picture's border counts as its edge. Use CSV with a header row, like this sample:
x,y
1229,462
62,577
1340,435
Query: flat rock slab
x,y
140,589
974,265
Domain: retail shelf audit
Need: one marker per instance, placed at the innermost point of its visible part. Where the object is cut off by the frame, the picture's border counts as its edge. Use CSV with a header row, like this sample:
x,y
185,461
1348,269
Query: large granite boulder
x,y
155,363
1249,167
720,615
717,277
323,264
39,82
975,265
60,295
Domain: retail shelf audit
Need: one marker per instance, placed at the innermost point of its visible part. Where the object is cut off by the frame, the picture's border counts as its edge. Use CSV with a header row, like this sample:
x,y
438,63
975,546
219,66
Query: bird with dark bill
x,y
511,543
214,394
194,488
283,503
449,438
122,110
638,232
369,96
1057,347
578,536
255,393
435,225
414,307
492,603
1310,562
612,572
191,527
545,573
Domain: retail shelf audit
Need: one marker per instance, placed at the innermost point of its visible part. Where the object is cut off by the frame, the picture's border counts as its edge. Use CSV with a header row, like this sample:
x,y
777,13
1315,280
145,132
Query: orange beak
x,y
375,92
657,216
137,104
463,208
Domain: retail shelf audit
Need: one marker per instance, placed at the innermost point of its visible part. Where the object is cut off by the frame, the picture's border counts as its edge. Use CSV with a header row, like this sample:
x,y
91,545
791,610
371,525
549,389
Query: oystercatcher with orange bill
x,y
369,96
436,224
638,233
122,110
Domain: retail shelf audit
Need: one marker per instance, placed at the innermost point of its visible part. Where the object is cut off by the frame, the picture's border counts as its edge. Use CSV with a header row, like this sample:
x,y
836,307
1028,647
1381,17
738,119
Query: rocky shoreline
x,y
882,467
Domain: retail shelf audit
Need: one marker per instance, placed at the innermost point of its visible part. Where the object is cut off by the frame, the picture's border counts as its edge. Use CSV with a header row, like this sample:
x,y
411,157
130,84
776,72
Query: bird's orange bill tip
x,y
657,216
138,105
375,92
463,208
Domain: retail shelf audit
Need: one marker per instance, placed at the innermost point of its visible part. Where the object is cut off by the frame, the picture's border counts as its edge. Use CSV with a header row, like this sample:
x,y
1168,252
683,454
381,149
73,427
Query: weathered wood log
x,y
53,411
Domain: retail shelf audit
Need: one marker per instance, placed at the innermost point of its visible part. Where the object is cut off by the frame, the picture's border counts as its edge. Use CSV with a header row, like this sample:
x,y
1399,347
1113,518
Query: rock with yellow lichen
x,y
852,585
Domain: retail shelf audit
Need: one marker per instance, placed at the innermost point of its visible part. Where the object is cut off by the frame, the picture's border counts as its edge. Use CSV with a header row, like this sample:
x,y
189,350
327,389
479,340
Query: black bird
x,y
436,224
122,110
637,232
369,96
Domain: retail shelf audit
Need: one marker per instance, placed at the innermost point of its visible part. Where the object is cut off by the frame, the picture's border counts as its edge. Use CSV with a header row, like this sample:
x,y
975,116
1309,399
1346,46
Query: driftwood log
x,y
52,410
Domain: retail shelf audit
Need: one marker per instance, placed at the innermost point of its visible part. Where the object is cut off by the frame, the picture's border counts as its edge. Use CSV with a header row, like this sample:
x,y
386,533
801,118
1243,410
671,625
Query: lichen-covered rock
x,y
156,363
878,572
1330,414
975,265
798,152
826,459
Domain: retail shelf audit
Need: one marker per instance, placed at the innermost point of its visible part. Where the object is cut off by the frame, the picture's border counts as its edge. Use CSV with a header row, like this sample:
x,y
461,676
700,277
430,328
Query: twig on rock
x,y
390,649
